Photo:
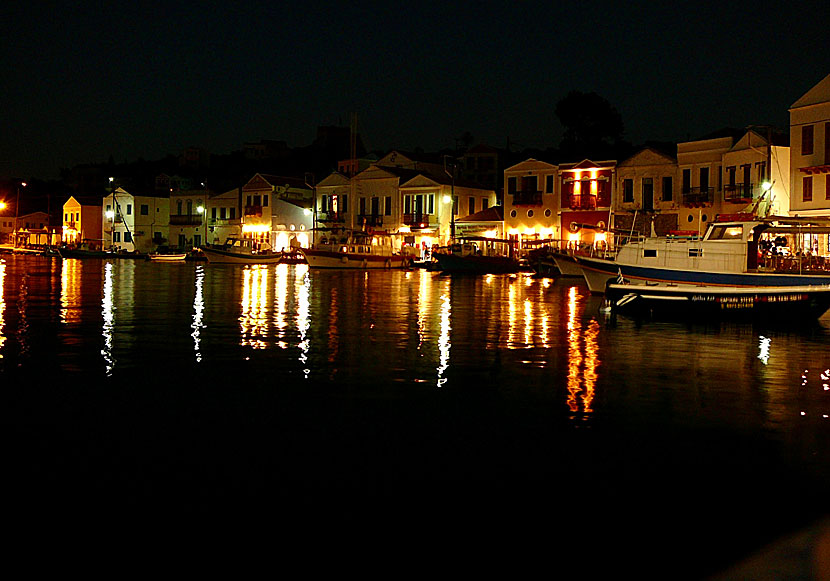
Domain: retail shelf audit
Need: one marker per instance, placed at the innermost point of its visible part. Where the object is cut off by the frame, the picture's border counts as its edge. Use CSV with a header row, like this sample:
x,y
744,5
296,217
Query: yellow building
x,y
82,220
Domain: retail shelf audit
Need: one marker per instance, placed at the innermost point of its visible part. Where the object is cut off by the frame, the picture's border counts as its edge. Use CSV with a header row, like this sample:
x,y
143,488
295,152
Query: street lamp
x,y
17,210
201,209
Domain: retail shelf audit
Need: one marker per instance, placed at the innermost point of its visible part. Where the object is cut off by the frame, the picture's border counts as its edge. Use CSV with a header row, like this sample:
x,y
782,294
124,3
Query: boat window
x,y
724,232
695,252
650,253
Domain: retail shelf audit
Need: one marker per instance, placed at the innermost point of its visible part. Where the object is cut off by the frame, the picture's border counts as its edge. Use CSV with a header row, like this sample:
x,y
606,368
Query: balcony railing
x,y
737,192
697,196
373,220
186,220
416,220
527,198
253,211
582,202
330,217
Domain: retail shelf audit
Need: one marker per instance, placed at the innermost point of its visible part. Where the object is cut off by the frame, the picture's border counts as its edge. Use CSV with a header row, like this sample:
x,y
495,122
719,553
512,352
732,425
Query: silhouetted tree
x,y
592,125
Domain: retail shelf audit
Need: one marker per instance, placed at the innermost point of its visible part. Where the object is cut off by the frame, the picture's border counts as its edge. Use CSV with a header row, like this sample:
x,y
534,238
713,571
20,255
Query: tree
x,y
592,125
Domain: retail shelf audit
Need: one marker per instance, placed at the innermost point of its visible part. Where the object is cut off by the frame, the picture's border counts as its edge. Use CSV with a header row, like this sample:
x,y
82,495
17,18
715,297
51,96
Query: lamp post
x,y
452,194
17,210
111,216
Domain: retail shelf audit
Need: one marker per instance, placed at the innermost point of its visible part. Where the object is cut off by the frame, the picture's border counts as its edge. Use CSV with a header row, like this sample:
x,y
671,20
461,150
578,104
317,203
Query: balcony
x,y
527,198
373,220
697,196
330,217
582,202
186,220
738,193
253,211
416,220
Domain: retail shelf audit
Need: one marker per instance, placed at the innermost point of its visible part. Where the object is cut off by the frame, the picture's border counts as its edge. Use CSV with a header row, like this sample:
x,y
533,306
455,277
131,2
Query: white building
x,y
135,222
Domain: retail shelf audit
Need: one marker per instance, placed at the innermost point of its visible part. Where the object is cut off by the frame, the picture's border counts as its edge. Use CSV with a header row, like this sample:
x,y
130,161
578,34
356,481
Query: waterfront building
x,y
224,216
277,210
700,167
586,195
82,220
756,174
810,160
810,152
481,164
647,192
531,202
136,222
34,230
188,213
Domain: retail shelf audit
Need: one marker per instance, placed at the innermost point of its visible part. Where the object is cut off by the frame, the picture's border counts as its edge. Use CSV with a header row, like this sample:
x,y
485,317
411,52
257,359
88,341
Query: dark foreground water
x,y
502,418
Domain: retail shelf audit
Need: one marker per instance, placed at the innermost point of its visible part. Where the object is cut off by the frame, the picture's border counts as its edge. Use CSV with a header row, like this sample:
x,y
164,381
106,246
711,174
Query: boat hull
x,y
354,260
691,302
70,253
167,257
598,272
567,265
476,264
217,256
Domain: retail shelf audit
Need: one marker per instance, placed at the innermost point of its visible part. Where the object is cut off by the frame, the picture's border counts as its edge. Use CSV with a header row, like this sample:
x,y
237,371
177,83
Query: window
x,y
197,240
687,181
704,180
213,213
807,140
549,184
248,201
387,206
66,217
430,203
667,189
512,185
189,207
472,204
265,200
827,187
513,213
484,203
145,209
129,209
807,189
344,203
530,213
407,204
223,213
128,236
628,190
178,207
116,236
233,213
257,200
530,184
648,193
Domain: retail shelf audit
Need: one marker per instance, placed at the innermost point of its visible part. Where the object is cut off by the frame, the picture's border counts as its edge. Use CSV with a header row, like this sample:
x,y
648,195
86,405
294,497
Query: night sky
x,y
85,80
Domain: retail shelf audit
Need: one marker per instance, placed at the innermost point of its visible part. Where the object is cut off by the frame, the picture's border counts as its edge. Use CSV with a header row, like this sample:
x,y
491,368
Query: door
x,y
648,194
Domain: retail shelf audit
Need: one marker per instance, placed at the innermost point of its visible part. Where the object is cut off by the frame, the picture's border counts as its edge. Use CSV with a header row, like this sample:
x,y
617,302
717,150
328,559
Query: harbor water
x,y
413,405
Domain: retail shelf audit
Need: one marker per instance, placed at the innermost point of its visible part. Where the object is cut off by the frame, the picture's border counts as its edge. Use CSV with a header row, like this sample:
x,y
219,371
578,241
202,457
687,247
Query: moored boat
x,y
695,302
85,253
727,255
167,257
357,250
467,256
241,251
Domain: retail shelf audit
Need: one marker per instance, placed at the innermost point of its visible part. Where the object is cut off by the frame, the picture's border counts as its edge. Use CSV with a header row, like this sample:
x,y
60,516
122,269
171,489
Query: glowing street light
x,y
201,209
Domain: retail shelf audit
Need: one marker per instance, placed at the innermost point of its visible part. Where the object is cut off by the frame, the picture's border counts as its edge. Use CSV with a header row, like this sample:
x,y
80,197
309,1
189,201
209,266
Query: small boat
x,y
167,257
697,302
357,249
241,251
293,256
468,256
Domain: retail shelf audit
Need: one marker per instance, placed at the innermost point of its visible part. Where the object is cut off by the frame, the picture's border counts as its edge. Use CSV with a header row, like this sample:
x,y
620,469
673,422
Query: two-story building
x,y
647,198
224,213
756,174
586,194
277,210
137,222
82,221
531,202
188,218
810,159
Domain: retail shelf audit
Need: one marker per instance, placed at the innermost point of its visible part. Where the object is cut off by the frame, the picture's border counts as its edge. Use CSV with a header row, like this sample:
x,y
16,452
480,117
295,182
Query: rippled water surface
x,y
503,407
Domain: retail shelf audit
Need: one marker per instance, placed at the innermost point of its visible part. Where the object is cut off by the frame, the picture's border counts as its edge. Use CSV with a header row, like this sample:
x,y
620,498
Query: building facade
x,y
135,222
531,202
82,221
810,152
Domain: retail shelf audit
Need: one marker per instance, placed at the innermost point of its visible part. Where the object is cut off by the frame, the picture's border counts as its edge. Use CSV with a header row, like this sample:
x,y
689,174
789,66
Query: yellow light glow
x,y
2,205
573,237
490,234
404,229
734,232
530,231
513,232
546,232
599,237
257,228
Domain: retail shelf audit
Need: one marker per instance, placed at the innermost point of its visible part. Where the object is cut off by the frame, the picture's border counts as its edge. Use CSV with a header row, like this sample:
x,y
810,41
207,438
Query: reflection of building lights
x,y
108,314
763,349
252,320
255,228
304,319
444,340
2,305
198,312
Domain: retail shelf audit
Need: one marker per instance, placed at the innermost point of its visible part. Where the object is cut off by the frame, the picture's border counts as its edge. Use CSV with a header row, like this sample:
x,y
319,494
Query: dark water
x,y
413,409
